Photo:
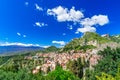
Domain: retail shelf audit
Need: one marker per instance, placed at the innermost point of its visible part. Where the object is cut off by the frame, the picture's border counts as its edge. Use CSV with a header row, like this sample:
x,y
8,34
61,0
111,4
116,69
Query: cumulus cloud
x,y
40,24
26,3
62,43
18,44
38,7
96,19
88,23
86,29
18,34
64,14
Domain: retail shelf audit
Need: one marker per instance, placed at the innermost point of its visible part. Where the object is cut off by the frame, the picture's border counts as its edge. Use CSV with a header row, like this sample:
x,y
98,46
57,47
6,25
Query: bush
x,y
60,74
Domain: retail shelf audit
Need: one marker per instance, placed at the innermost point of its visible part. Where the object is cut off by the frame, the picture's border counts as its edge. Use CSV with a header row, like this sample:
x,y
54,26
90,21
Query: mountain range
x,y
17,49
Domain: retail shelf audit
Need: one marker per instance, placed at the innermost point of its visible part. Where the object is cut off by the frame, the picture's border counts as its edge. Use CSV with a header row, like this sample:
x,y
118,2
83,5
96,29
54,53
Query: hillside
x,y
115,38
91,40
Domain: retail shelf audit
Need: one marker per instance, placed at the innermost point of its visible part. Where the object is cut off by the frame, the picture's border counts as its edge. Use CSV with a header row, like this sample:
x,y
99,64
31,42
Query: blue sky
x,y
55,22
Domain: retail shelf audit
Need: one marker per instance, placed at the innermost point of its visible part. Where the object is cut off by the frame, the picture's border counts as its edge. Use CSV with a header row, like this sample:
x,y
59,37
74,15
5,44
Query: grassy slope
x,y
83,41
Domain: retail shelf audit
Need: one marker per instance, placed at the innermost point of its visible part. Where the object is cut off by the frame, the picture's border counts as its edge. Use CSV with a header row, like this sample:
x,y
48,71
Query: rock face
x,y
105,35
93,42
89,38
113,45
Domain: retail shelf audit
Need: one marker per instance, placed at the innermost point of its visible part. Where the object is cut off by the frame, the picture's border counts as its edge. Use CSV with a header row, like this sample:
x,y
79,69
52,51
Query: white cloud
x,y
24,36
22,44
86,29
96,19
64,34
18,44
18,34
88,23
38,7
46,46
63,14
70,27
26,3
62,43
101,19
40,24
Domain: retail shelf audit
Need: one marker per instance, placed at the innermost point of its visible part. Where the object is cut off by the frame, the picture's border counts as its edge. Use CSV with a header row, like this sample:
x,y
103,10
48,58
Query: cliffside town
x,y
52,59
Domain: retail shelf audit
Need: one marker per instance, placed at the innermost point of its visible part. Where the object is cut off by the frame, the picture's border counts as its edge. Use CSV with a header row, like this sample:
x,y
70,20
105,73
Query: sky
x,y
55,22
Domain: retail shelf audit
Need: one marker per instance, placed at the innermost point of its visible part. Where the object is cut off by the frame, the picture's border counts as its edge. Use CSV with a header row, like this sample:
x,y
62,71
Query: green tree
x,y
108,64
78,67
60,74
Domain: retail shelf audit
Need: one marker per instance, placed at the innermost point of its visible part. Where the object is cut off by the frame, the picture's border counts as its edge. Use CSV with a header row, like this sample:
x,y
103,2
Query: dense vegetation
x,y
23,74
51,49
90,36
105,76
3,59
78,67
60,74
108,64
115,38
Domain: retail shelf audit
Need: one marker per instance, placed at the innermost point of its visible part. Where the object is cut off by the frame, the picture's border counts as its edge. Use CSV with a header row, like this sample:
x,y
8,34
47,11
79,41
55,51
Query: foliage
x,y
105,76
110,61
20,75
77,48
3,59
60,74
50,49
78,66
86,47
17,62
21,70
108,64
115,38
94,36
72,45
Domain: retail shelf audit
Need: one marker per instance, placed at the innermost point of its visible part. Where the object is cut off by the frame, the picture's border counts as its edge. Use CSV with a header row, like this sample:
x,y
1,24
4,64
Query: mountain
x,y
51,49
91,40
17,49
